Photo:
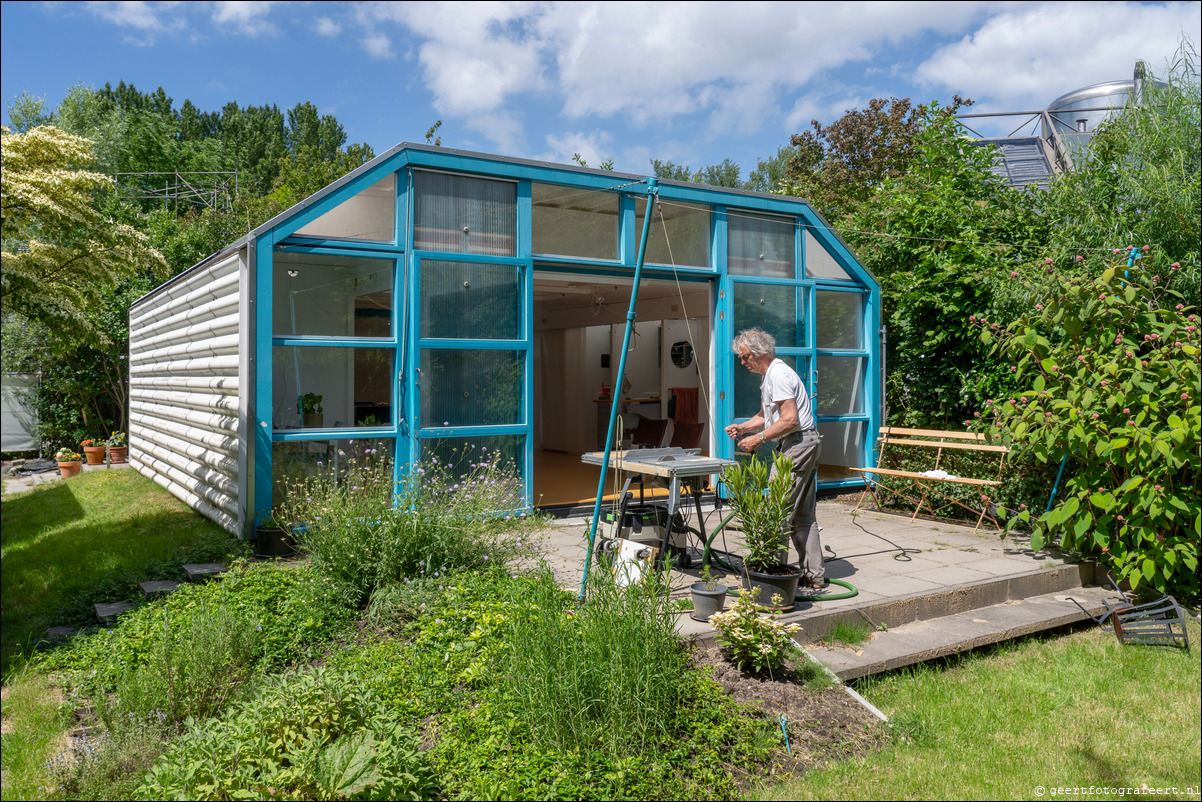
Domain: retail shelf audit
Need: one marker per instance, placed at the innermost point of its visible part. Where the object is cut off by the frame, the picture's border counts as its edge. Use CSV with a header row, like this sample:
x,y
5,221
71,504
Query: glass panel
x,y
472,388
760,246
839,388
839,319
820,263
370,215
575,222
688,228
747,387
331,296
842,450
471,301
461,214
774,308
295,460
331,387
461,454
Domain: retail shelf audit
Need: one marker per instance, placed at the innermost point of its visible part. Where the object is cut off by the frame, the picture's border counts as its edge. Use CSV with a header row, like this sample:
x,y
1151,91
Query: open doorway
x,y
579,322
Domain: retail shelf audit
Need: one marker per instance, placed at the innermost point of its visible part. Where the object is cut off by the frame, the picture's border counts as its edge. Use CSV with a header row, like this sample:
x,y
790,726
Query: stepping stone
x,y
61,632
155,589
107,613
199,572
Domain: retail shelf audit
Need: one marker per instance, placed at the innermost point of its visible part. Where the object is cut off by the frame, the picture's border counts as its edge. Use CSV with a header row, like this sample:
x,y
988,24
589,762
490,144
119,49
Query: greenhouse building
x,y
434,302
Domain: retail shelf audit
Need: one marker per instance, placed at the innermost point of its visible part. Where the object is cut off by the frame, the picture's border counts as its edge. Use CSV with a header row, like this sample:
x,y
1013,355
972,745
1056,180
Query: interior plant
x,y
309,404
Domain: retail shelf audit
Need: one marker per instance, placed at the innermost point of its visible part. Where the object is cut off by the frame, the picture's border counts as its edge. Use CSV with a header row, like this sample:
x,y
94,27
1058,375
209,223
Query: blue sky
x,y
689,82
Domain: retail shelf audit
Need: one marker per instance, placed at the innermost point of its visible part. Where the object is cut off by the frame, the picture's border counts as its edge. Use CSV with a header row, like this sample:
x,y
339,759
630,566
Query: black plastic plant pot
x,y
271,541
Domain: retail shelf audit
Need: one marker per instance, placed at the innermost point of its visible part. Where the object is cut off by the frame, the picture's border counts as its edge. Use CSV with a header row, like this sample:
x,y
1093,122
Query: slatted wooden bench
x,y
922,489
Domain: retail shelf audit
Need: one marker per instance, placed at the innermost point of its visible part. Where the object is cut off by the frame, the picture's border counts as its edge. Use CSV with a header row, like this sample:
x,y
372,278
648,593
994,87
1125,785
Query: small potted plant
x,y
273,537
69,462
309,407
709,595
93,450
761,497
118,447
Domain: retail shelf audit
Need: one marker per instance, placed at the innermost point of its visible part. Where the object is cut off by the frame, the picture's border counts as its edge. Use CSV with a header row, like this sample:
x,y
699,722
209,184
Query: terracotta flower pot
x,y
69,469
94,454
118,453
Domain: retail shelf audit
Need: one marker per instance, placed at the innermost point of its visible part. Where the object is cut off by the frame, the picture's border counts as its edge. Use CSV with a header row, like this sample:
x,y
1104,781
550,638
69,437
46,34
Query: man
x,y
786,419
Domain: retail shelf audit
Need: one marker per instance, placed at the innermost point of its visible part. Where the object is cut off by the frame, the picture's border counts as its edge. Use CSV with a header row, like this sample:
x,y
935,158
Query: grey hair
x,y
755,340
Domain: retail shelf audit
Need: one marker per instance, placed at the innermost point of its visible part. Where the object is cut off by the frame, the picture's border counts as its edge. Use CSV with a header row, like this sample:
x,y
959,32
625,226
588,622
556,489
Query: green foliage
x,y
757,642
723,174
305,735
1110,379
109,764
363,532
1139,182
761,497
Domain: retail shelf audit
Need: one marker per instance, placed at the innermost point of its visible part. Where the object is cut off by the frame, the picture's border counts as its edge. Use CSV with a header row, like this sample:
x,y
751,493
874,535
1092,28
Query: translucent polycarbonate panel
x,y
370,215
687,242
294,462
462,214
569,221
461,300
840,385
747,387
497,459
820,263
335,388
839,319
842,449
777,309
472,387
760,246
331,296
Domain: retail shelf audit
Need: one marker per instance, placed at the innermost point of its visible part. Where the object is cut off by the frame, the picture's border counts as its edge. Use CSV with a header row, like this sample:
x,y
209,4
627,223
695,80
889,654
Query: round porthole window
x,y
682,354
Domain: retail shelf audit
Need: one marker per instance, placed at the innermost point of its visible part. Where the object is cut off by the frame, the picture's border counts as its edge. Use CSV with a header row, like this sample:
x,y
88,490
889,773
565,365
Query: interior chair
x,y
687,435
649,433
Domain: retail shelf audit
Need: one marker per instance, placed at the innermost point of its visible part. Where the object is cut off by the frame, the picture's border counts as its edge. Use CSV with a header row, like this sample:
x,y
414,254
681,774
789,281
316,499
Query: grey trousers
x,y
804,449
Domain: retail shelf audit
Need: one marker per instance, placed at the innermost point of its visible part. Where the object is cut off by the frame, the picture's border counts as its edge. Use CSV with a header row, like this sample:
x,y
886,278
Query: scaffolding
x,y
216,190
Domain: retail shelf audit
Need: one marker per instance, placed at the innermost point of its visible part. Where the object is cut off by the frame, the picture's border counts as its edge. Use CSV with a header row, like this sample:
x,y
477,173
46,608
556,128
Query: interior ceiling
x,y
557,294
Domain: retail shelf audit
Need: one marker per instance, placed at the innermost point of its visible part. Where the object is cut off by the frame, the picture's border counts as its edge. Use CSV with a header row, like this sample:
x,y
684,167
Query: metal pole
x,y
652,194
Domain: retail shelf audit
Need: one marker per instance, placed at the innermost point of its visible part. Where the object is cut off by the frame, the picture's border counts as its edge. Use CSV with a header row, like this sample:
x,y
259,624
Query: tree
x,y
838,166
60,253
723,174
769,174
310,169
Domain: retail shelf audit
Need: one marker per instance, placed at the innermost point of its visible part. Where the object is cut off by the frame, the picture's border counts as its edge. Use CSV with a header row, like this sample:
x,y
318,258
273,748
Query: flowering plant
x,y
65,454
92,442
755,640
117,440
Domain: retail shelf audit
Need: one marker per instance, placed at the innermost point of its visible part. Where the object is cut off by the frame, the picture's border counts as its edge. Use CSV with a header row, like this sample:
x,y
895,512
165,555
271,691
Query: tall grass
x,y
609,673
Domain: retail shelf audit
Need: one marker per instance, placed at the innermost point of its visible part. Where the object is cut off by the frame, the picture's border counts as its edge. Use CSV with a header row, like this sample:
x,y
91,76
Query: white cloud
x,y
327,27
1025,58
594,148
378,45
141,20
244,17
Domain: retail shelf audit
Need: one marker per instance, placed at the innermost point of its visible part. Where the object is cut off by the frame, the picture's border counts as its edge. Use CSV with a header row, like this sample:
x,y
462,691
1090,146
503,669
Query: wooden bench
x,y
921,489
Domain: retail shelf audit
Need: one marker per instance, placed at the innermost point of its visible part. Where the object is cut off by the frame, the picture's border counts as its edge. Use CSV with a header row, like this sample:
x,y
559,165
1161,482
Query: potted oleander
x,y
709,595
760,495
118,447
69,462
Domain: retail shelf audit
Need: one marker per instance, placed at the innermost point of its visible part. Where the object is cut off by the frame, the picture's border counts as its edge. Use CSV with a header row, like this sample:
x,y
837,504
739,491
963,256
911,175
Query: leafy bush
x,y
109,765
307,735
760,494
756,641
1111,377
364,533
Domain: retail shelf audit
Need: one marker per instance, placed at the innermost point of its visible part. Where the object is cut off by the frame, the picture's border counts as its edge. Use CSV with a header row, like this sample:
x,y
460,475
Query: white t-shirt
x,y
781,382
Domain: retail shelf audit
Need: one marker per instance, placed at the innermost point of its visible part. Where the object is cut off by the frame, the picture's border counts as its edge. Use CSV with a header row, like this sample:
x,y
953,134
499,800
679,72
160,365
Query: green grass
x,y
68,544
1078,710
849,633
33,731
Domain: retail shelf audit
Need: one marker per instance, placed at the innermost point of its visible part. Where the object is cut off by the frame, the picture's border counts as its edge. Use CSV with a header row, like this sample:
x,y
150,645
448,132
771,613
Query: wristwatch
x,y
762,438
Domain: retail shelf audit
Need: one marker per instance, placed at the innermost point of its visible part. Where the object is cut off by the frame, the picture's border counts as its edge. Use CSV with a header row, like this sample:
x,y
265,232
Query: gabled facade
x,y
436,299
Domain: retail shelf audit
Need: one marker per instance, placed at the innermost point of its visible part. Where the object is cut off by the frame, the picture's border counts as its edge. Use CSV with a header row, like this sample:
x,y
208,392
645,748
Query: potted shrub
x,y
309,407
760,496
93,450
118,447
69,462
709,596
273,538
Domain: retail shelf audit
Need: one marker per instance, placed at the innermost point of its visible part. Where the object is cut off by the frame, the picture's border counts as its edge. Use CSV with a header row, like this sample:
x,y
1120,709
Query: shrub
x,y
364,533
109,765
1109,367
756,641
307,735
760,494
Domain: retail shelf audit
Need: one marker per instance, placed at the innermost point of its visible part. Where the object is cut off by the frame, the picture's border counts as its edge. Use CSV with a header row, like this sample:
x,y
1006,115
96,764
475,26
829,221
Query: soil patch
x,y
824,724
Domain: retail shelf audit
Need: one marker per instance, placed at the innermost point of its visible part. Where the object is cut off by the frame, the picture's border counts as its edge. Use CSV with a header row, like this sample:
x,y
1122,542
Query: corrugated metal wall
x,y
184,390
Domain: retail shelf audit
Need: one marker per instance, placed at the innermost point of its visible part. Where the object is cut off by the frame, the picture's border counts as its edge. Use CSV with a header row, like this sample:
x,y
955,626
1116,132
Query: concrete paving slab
x,y
199,572
107,612
955,574
157,588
